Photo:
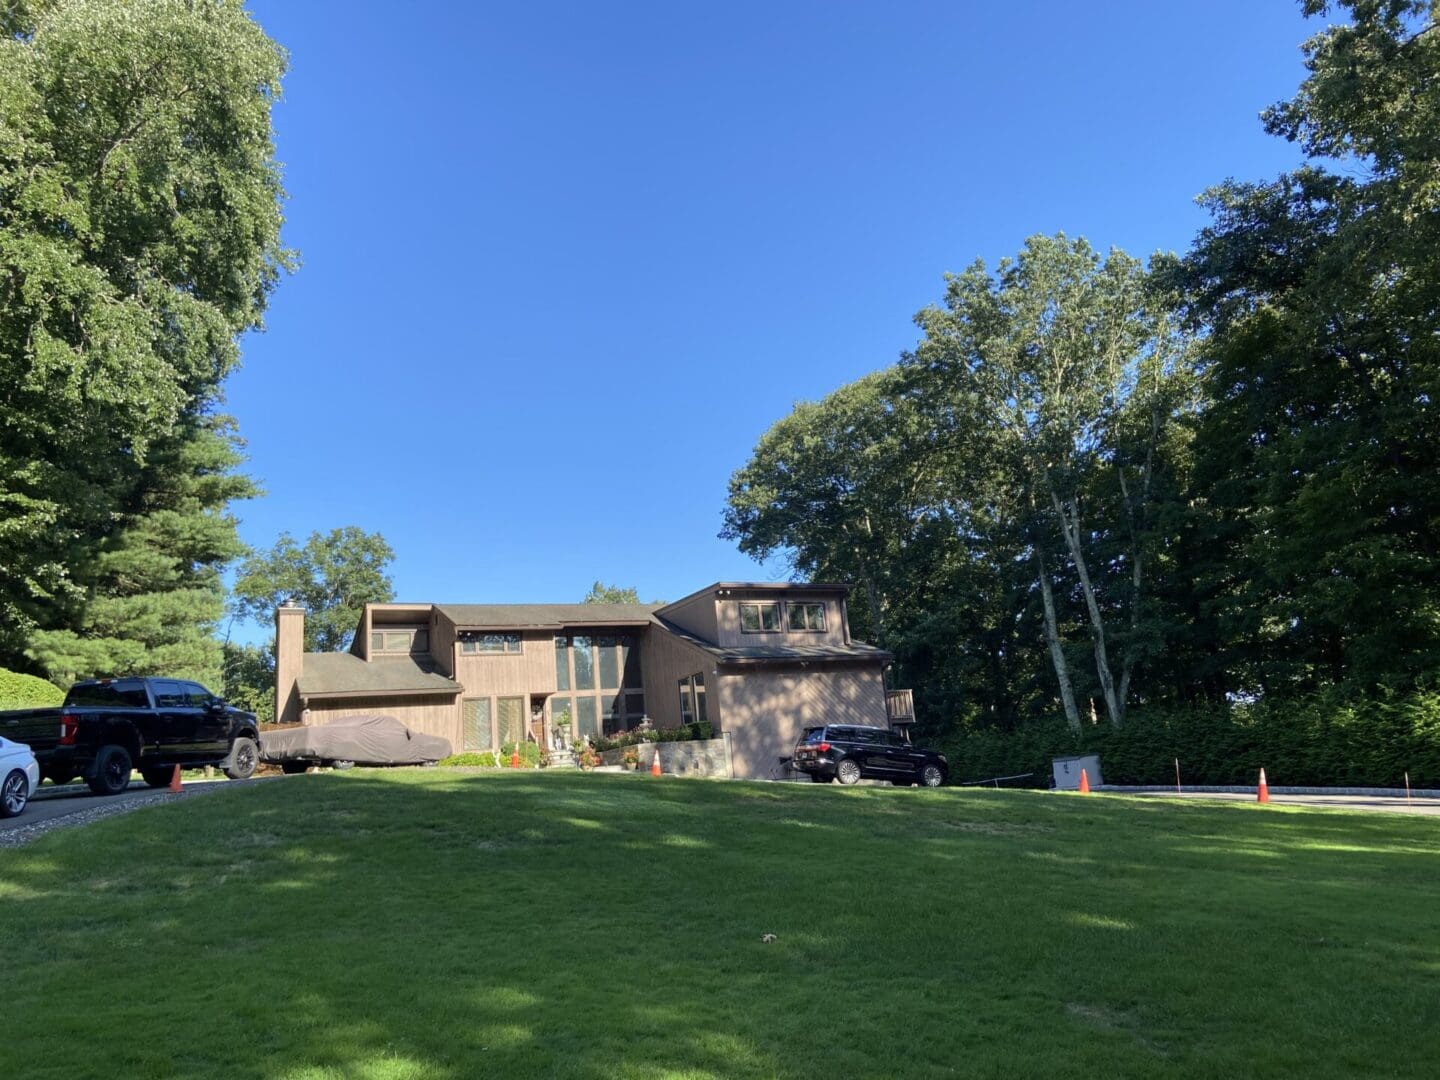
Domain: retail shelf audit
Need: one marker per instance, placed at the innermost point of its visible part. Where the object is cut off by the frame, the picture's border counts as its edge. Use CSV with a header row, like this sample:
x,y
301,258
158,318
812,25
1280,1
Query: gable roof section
x,y
545,616
346,675
715,588
856,651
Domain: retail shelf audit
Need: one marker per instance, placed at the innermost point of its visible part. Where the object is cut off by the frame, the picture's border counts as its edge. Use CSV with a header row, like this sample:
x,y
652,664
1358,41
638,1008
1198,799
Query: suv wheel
x,y
14,793
112,771
240,765
848,771
931,776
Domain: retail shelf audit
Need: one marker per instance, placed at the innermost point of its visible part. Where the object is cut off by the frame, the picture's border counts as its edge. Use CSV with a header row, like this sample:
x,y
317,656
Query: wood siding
x,y
730,633
434,715
765,712
442,642
664,660
694,613
532,671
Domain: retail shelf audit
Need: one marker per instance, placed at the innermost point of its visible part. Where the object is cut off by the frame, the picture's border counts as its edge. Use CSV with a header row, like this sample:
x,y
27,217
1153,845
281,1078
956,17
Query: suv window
x,y
120,694
813,735
862,735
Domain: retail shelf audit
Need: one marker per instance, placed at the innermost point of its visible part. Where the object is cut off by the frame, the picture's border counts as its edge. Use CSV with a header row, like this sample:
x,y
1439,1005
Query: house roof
x,y
547,616
780,653
759,586
335,674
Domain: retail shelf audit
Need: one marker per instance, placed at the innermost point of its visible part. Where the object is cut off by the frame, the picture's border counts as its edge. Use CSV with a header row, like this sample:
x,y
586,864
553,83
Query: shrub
x,y
529,754
19,691
470,759
1324,740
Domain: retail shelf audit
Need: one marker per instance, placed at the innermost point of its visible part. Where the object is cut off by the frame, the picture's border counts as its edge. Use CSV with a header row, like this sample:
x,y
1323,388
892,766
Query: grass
x,y
423,924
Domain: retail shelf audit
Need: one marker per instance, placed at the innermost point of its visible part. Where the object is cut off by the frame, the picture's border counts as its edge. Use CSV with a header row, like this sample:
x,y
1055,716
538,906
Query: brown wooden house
x,y
759,662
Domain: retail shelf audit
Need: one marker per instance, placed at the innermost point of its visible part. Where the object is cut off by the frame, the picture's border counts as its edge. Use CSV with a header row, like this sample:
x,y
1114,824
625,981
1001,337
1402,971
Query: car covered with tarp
x,y
351,740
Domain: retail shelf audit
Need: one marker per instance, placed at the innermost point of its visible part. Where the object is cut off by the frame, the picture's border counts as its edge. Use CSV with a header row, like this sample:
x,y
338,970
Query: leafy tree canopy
x,y
601,593
332,575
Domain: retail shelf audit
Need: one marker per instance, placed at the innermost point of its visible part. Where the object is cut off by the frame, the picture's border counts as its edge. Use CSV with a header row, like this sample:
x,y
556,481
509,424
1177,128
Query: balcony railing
x,y
900,706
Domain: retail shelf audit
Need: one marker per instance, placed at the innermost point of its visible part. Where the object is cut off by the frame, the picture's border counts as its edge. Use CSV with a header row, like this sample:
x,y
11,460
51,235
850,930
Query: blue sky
x,y
573,259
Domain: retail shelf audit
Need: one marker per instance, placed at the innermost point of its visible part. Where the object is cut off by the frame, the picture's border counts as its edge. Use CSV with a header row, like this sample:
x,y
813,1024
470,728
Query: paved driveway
x,y
1321,802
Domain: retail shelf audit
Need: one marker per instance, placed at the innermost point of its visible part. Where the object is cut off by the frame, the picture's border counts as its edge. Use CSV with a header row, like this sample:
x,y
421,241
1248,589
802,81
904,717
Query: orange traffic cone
x,y
1263,794
655,763
515,759
175,781
1084,782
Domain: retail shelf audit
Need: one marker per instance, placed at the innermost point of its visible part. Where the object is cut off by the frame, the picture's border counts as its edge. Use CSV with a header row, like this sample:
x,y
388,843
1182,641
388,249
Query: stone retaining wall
x,y
693,757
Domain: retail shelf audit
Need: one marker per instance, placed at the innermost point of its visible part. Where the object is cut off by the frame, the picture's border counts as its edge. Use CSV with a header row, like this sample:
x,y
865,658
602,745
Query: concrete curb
x,y
1240,789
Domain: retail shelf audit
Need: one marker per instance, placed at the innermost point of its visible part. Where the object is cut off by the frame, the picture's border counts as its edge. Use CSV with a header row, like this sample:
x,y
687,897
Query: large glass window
x,y
475,717
480,644
562,663
585,722
760,617
700,713
584,663
510,719
609,662
692,699
806,616
629,662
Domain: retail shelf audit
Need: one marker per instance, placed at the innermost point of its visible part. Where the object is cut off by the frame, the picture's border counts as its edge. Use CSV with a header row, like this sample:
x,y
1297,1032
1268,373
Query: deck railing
x,y
900,705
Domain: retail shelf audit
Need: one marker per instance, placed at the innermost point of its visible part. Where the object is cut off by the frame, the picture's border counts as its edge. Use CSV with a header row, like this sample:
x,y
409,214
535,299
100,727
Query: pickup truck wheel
x,y
931,776
112,771
244,755
848,771
14,793
158,777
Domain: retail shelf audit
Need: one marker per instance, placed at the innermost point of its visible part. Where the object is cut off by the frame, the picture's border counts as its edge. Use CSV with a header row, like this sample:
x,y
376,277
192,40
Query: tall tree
x,y
1318,457
139,237
333,576
1069,365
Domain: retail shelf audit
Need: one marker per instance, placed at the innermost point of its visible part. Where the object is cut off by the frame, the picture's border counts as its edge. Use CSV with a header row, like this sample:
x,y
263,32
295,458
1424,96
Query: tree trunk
x,y
1057,653
1113,705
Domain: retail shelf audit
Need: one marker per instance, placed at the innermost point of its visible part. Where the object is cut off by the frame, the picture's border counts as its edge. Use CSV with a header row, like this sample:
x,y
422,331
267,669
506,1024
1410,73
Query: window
x,y
562,663
692,699
411,639
120,694
475,718
806,616
168,695
196,696
629,662
609,662
760,618
510,719
584,664
585,716
635,707
489,644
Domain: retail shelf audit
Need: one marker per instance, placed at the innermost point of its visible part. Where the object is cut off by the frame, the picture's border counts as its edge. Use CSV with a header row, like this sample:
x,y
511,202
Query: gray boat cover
x,y
365,740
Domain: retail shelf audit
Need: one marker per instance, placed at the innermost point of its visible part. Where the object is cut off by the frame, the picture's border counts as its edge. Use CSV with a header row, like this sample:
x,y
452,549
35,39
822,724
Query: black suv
x,y
849,753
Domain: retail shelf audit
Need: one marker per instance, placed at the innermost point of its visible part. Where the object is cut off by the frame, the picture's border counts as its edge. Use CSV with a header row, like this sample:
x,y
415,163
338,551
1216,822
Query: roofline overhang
x,y
872,660
718,588
501,627
381,693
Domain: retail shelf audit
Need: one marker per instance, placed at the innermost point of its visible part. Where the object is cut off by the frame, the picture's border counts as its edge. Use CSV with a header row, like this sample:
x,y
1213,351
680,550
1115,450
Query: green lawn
x,y
428,924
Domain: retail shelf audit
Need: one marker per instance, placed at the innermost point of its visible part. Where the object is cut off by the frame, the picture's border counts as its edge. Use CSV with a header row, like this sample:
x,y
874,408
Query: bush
x,y
529,755
696,729
19,691
1323,740
470,759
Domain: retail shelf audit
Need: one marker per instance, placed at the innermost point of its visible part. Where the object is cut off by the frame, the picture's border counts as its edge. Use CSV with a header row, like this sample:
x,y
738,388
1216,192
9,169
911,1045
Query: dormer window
x,y
400,641
761,617
806,616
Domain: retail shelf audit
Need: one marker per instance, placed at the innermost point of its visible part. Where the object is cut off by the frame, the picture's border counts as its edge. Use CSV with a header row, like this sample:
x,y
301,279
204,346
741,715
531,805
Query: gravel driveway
x,y
58,808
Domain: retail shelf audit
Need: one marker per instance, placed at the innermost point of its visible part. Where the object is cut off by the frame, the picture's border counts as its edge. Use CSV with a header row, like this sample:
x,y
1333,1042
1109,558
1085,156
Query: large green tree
x,y
139,238
1318,458
332,575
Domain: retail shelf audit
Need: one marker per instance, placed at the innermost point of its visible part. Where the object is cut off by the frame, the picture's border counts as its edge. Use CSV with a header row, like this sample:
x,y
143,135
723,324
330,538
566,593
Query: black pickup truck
x,y
109,726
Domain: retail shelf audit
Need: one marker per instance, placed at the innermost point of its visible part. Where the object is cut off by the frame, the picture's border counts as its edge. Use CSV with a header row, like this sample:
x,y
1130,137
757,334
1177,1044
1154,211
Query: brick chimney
x,y
289,660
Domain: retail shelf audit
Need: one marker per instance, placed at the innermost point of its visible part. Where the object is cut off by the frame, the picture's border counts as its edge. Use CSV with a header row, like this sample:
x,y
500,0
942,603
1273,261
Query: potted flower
x,y
588,757
631,758
562,730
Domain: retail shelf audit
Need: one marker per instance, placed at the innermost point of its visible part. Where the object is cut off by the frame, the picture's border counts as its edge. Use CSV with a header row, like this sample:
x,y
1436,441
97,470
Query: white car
x,y
19,776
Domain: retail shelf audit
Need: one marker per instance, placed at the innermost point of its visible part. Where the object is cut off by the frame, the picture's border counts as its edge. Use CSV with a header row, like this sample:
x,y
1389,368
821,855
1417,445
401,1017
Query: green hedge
x,y
470,759
696,729
529,757
27,691
1324,740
